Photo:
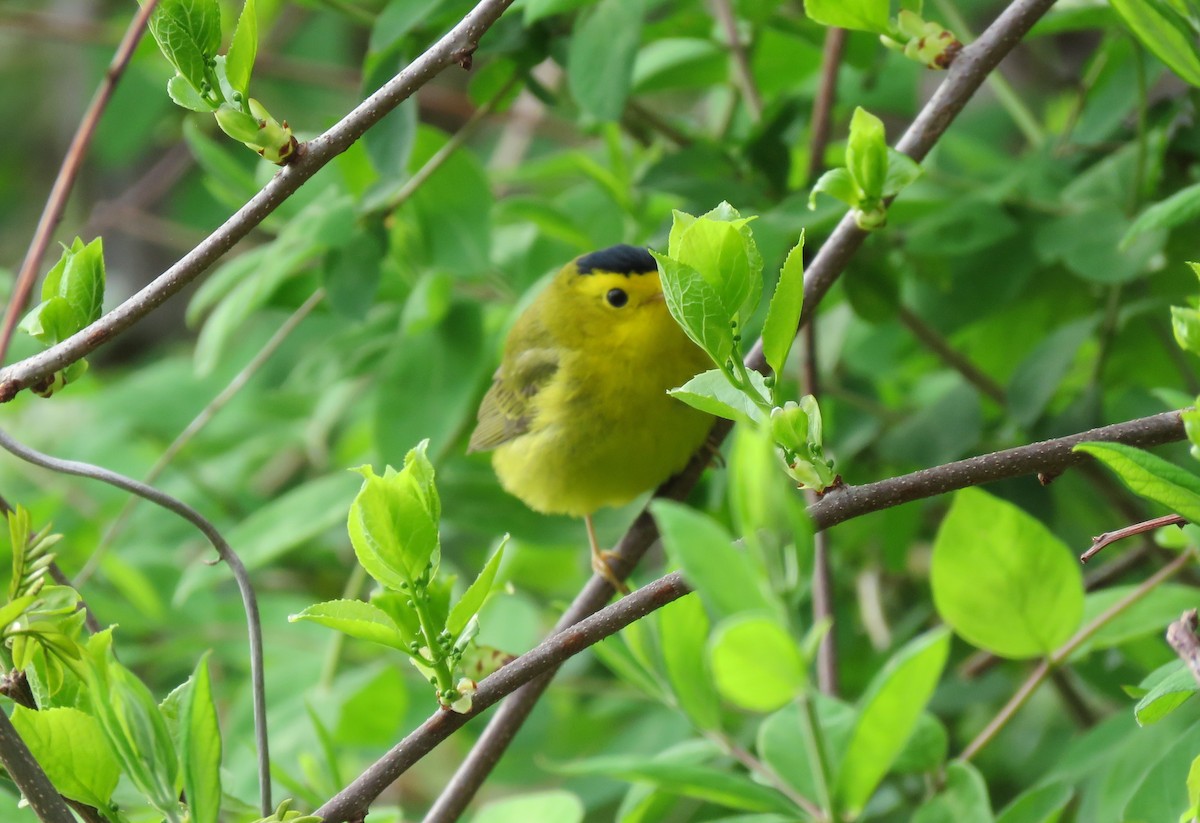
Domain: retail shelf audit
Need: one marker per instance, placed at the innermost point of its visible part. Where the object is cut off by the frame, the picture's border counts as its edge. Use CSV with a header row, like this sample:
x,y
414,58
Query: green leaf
x,y
1169,688
72,294
1168,32
1144,617
683,628
713,393
290,520
697,307
702,782
839,184
1043,804
188,33
557,805
476,594
1151,477
890,710
902,172
720,246
601,55
393,521
360,620
243,48
200,749
1181,207
70,746
184,95
860,15
963,798
1002,580
1040,374
756,664
867,153
723,576
783,314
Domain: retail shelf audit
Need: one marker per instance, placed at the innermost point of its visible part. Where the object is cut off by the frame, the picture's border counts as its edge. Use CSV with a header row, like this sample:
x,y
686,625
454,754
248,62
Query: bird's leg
x,y
601,564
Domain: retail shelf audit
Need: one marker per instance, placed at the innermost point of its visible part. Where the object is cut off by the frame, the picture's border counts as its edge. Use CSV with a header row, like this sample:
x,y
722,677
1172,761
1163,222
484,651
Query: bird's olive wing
x,y
506,410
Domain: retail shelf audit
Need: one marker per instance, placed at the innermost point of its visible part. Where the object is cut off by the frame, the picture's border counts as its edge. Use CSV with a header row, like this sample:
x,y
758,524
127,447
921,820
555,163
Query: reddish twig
x,y
1099,542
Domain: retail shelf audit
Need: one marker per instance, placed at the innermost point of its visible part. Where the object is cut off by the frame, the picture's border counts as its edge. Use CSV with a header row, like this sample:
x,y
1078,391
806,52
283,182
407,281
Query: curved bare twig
x,y
249,600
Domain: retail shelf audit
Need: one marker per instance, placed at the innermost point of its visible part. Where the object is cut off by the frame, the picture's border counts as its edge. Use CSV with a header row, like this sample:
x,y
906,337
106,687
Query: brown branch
x,y
52,212
743,74
454,48
933,341
831,60
1047,456
1182,636
353,802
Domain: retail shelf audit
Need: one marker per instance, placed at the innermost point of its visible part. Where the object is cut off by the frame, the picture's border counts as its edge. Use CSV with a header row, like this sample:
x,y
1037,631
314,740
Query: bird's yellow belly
x,y
595,444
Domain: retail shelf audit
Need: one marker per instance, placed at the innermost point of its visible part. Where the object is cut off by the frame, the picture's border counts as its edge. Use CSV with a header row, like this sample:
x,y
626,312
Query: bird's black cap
x,y
622,259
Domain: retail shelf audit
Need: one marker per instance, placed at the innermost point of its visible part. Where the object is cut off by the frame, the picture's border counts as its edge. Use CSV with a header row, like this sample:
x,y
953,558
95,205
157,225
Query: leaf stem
x,y
445,678
818,760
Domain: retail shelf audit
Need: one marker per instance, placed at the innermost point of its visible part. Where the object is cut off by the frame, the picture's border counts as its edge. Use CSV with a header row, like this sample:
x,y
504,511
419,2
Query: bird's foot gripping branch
x,y
393,526
712,282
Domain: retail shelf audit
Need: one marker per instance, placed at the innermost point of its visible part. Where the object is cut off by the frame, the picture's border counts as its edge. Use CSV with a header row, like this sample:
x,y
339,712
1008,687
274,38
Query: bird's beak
x,y
657,297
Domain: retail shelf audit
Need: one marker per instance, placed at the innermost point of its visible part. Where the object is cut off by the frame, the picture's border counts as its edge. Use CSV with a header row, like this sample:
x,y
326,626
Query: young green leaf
x,y
393,521
723,576
756,664
783,314
838,184
200,749
1167,30
713,393
1002,580
890,710
860,15
697,307
866,154
70,746
243,48
72,294
476,594
1150,476
683,628
902,171
358,619
188,33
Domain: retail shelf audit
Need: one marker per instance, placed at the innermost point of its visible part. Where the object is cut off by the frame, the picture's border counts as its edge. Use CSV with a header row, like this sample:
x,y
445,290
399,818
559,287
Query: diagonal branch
x,y
455,47
1046,457
352,802
67,173
18,761
968,72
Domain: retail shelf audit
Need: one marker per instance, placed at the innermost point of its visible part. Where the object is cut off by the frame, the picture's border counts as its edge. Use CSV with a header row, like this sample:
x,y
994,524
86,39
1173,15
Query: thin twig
x,y
52,212
743,74
454,48
950,356
39,793
1047,456
1100,541
1048,664
1182,636
765,772
822,574
249,600
822,114
353,802
198,423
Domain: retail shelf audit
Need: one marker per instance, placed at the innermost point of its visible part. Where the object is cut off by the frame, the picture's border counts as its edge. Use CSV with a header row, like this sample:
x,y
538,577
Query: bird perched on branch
x,y
578,412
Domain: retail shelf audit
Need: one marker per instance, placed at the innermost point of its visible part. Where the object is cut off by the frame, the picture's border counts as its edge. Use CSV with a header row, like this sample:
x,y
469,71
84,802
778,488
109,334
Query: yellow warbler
x,y
578,412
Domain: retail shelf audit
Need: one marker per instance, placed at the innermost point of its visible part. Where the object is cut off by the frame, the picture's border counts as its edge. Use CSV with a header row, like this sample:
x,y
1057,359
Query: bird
x,y
578,416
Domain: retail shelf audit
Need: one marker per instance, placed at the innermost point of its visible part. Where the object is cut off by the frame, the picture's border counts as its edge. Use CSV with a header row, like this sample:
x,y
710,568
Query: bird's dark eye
x,y
616,298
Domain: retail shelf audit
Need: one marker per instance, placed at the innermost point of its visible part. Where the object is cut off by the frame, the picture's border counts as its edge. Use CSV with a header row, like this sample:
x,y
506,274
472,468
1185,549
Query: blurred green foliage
x,y
1043,243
